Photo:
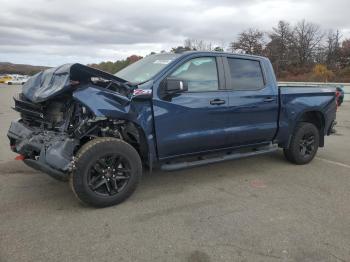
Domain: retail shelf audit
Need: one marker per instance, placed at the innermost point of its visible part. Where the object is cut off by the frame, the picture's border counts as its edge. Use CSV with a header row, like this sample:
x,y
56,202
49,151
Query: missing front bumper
x,y
48,151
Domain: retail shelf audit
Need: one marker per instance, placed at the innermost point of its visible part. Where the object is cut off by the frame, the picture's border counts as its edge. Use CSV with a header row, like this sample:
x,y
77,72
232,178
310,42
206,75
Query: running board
x,y
200,162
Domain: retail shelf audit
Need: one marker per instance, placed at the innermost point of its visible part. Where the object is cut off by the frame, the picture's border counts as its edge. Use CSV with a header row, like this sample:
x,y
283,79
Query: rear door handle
x,y
269,99
217,101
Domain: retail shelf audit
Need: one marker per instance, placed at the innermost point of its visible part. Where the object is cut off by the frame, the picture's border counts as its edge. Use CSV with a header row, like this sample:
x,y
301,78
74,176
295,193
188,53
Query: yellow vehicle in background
x,y
4,79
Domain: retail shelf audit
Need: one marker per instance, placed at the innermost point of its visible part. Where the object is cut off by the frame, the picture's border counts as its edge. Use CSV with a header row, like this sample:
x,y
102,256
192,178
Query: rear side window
x,y
245,74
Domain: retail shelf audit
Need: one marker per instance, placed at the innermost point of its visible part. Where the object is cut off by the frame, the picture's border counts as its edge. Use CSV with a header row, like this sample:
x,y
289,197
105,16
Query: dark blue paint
x,y
295,101
106,103
252,120
188,124
254,113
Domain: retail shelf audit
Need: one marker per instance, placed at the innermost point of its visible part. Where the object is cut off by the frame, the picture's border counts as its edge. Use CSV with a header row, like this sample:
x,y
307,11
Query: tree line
x,y
114,67
9,68
299,52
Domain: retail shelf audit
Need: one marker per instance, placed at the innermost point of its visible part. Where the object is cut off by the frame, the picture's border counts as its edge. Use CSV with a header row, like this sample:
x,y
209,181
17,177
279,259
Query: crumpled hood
x,y
54,81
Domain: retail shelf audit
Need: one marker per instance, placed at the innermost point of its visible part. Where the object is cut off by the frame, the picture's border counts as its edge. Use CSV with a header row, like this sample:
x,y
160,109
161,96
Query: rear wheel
x,y
107,172
304,144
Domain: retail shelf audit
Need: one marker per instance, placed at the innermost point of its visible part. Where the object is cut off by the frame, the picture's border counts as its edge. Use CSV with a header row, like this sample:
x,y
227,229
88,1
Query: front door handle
x,y
269,99
217,101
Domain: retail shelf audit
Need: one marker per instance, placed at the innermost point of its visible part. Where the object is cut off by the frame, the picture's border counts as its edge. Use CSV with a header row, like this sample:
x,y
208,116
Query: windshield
x,y
144,69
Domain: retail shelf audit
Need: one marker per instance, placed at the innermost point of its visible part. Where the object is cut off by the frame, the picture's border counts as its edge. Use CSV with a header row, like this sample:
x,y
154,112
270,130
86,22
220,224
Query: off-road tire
x,y
92,151
294,152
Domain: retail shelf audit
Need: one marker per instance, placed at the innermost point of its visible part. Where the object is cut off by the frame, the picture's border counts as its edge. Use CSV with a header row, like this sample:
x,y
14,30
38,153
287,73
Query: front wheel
x,y
304,144
107,172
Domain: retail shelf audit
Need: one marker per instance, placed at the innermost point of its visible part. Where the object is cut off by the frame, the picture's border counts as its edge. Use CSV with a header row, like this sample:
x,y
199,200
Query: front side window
x,y
200,73
245,74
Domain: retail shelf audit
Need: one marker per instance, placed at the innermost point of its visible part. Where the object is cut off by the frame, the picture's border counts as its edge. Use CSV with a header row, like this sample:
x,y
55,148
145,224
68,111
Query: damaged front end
x,y
55,122
47,151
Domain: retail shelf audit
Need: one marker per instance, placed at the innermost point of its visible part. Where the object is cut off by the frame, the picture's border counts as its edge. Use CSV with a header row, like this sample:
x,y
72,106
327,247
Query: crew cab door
x,y
195,120
253,101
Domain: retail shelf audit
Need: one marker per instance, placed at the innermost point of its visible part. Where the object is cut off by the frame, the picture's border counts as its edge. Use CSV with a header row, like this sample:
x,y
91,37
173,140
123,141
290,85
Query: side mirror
x,y
173,86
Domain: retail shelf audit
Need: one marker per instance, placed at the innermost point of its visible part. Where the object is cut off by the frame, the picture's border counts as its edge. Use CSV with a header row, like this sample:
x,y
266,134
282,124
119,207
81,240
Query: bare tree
x,y
333,49
188,44
199,45
179,49
320,54
250,41
306,40
345,54
280,48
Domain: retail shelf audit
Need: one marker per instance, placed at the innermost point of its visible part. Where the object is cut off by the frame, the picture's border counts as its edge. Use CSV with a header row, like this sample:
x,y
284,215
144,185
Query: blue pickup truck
x,y
168,111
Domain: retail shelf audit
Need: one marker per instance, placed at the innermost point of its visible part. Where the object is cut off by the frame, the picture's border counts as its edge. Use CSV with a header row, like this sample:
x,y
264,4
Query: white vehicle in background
x,y
17,80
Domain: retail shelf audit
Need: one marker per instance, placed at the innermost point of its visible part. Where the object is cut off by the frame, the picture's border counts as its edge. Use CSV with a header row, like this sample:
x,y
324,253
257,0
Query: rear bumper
x,y
47,151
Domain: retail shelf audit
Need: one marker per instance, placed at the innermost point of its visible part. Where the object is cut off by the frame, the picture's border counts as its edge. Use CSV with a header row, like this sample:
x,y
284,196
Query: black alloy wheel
x,y
307,144
107,171
109,174
304,144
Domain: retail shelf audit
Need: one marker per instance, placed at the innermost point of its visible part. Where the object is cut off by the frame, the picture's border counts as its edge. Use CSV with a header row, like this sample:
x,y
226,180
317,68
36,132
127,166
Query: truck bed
x,y
297,100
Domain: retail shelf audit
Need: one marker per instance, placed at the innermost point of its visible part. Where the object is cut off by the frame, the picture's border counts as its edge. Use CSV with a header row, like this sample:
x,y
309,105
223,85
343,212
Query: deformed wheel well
x,y
134,135
127,131
316,118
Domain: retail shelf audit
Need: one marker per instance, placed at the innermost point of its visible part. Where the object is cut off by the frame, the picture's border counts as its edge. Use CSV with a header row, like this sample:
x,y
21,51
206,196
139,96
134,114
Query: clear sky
x,y
52,32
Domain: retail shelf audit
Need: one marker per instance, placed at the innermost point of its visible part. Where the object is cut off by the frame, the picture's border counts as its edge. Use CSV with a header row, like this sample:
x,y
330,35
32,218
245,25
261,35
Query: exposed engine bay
x,y
54,125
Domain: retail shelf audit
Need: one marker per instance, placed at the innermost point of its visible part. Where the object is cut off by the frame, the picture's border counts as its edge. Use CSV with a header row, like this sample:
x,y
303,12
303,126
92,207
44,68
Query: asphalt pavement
x,y
255,209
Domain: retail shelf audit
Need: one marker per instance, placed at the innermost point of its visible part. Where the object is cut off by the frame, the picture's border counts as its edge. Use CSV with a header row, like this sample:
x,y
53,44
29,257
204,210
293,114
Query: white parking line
x,y
333,162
